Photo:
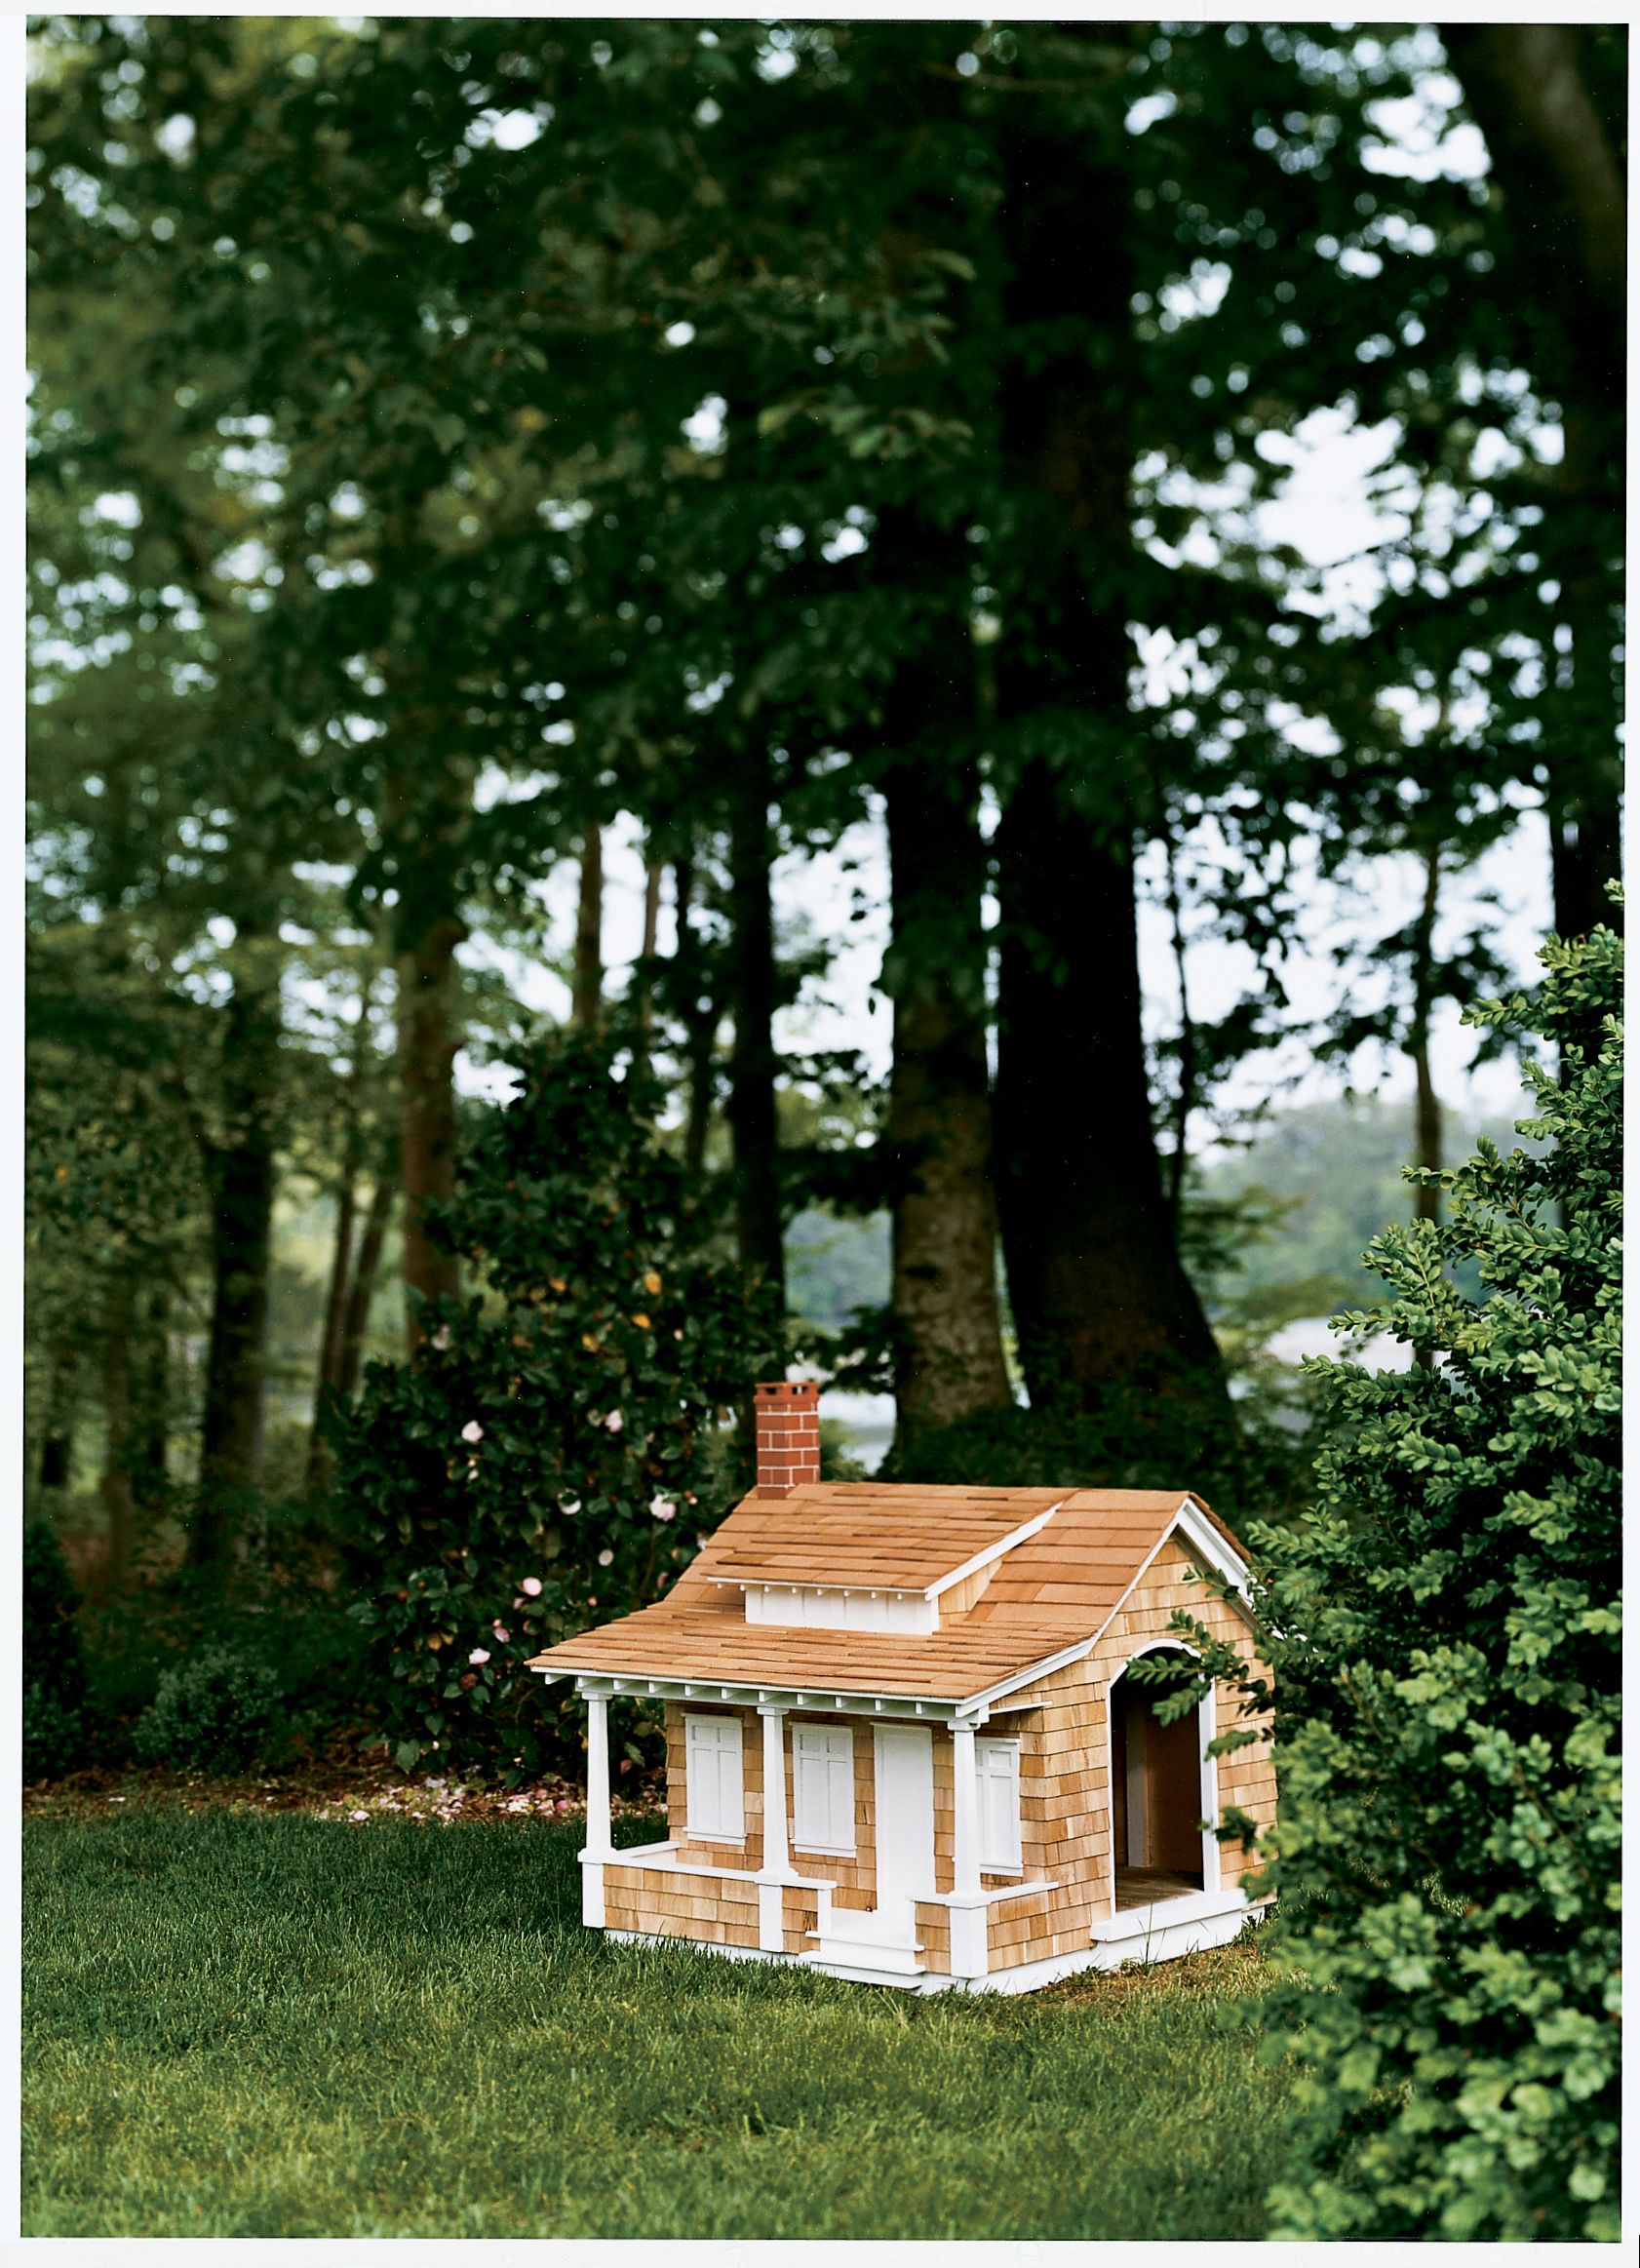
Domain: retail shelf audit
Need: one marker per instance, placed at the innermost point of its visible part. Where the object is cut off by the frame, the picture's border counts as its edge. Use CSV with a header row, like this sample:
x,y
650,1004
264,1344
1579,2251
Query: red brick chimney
x,y
788,1435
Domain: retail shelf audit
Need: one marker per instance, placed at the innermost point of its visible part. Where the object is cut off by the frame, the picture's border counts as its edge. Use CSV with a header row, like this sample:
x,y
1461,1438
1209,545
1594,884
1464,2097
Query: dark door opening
x,y
1155,1798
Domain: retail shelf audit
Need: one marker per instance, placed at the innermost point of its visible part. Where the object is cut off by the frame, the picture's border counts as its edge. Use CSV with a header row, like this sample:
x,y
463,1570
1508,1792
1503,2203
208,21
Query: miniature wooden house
x,y
902,1746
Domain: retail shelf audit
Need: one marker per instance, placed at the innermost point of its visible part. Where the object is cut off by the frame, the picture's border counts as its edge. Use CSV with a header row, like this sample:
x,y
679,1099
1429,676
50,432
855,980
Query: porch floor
x,y
1144,1885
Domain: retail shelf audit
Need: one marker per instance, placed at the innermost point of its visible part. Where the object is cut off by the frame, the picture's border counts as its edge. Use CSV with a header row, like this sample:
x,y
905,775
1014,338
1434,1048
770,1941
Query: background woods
x,y
544,535
449,444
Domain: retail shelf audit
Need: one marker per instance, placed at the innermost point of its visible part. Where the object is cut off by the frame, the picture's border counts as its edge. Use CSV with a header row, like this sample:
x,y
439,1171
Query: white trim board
x,y
1181,1936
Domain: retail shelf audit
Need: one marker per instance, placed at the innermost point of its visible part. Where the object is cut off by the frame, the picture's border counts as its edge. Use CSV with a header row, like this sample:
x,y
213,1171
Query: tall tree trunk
x,y
336,1308
752,1062
242,1245
643,975
119,1499
341,1270
1557,161
1097,1293
428,1038
151,1398
426,806
587,990
56,1441
700,1012
356,1312
1427,1202
938,1134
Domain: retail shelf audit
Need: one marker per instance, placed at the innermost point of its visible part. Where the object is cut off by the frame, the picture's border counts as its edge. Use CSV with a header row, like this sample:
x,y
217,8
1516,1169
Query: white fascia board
x,y
747,1693
993,1551
1208,1544
1022,1677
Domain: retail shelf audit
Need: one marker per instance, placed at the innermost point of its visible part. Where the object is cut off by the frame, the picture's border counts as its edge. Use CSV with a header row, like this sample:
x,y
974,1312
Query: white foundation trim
x,y
592,1891
1170,1941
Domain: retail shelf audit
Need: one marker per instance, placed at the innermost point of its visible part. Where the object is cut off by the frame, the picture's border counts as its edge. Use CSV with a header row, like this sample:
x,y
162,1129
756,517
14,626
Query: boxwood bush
x,y
1443,1628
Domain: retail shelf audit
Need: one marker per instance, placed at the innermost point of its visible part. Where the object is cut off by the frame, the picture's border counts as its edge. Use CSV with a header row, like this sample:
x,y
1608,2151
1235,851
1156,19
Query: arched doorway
x,y
1155,1796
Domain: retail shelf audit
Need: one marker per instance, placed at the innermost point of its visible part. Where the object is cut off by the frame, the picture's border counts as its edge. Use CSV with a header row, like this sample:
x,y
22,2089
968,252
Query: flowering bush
x,y
554,1455
1443,1630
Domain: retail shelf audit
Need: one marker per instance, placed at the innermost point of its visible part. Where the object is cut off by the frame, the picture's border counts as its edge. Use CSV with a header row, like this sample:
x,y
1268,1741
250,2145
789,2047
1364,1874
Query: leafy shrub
x,y
220,1709
57,1731
553,1456
1443,1628
55,1736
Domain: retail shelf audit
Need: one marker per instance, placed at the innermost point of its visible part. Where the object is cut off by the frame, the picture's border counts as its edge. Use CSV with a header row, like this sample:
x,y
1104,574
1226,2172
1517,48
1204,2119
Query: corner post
x,y
776,1868
600,1846
969,1952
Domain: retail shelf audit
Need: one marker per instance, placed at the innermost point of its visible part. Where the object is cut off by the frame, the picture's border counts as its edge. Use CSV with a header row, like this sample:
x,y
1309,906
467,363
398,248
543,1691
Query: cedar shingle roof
x,y
1050,1591
861,1535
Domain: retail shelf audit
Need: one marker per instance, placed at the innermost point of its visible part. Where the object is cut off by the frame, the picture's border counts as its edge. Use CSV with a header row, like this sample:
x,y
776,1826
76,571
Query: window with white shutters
x,y
712,1778
823,1787
997,1765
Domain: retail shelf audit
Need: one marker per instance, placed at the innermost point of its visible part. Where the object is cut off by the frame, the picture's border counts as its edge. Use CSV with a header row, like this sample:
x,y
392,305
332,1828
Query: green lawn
x,y
275,2026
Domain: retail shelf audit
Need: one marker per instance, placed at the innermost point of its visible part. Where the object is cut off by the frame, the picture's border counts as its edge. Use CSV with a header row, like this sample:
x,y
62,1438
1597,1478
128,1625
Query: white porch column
x,y
776,1868
969,1955
599,1844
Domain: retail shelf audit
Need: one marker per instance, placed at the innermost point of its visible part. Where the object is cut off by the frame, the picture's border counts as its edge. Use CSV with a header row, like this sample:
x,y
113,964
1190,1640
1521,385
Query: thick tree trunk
x,y
1097,1293
754,1063
937,1145
119,1496
428,1038
242,1243
355,1313
588,987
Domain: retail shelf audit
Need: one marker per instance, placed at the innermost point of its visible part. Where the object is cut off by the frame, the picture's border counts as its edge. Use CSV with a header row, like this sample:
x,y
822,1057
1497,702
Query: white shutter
x,y
712,1777
997,1765
823,1787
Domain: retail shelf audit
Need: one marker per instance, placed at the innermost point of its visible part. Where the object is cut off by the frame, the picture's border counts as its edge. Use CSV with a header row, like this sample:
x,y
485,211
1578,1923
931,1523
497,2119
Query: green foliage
x,y
56,1730
56,1737
554,1457
218,1709
1443,1630
353,2031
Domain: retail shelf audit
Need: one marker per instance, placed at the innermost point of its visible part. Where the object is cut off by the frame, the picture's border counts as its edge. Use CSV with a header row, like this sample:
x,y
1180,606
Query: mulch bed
x,y
345,1787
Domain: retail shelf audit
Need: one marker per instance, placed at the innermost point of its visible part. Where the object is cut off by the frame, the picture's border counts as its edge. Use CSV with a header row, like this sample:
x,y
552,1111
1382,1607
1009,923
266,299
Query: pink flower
x,y
472,1430
532,1586
614,1420
478,1657
663,1508
503,1635
605,1559
441,1337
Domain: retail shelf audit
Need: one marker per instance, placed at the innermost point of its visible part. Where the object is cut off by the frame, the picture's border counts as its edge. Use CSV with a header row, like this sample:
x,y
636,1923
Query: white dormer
x,y
842,1605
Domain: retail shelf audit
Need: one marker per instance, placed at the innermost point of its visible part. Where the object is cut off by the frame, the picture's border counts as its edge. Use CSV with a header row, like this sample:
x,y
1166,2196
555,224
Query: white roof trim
x,y
993,1551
